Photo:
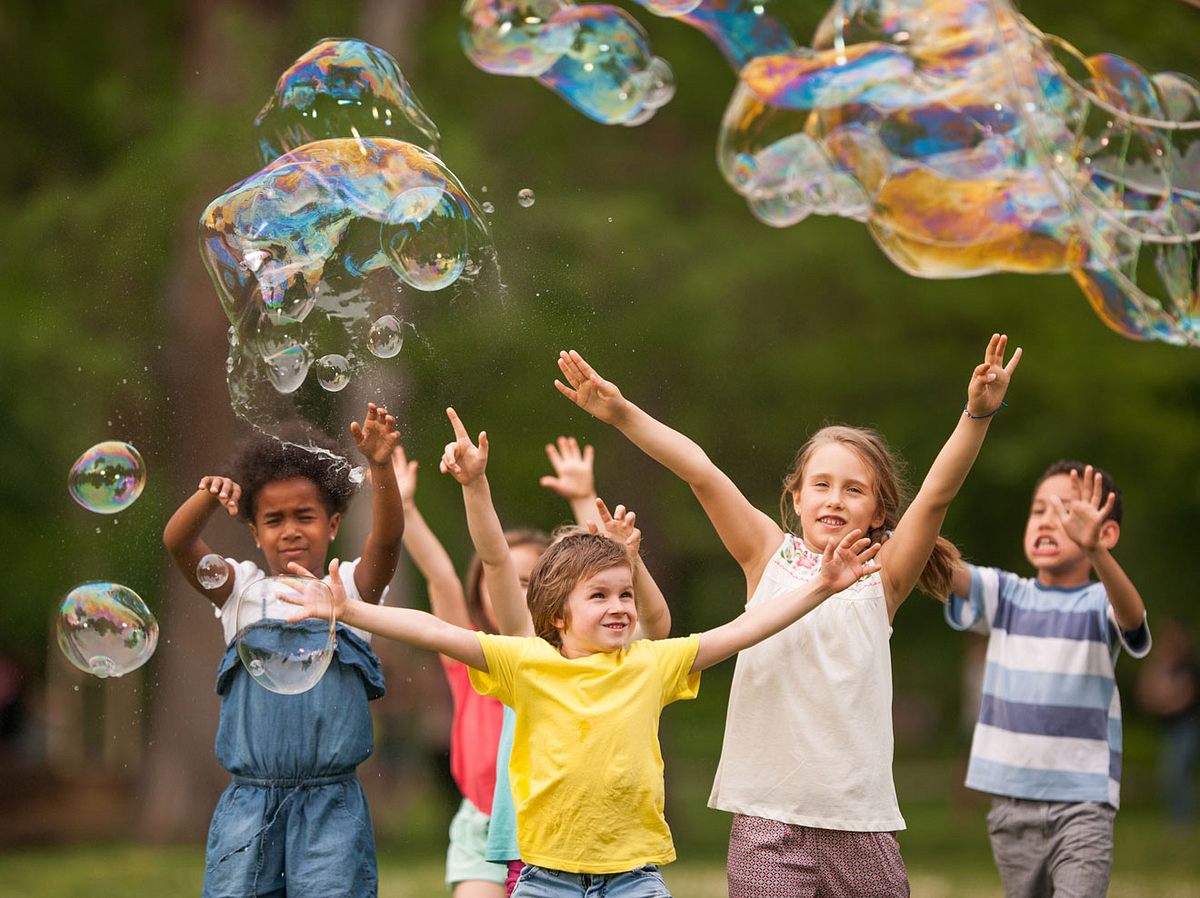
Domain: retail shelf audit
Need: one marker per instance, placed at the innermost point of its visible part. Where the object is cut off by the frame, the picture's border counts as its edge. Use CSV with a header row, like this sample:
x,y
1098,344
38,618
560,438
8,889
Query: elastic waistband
x,y
268,782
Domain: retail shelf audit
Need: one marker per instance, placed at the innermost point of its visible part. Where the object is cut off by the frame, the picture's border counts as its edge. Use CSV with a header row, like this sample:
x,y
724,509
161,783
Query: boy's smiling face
x,y
291,523
600,613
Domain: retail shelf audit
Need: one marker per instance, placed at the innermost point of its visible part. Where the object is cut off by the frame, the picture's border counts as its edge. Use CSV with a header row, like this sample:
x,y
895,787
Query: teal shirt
x,y
502,828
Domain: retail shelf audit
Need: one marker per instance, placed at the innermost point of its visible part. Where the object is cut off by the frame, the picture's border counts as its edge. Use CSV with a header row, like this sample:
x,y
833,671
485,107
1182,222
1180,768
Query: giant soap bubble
x,y
283,657
107,478
596,57
350,239
967,140
342,88
105,629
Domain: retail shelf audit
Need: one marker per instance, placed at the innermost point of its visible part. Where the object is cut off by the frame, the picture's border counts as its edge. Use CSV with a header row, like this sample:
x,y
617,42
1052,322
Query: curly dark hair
x,y
261,459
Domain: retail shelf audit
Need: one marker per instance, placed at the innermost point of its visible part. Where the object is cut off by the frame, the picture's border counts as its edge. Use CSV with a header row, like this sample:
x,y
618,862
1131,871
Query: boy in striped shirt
x,y
1047,744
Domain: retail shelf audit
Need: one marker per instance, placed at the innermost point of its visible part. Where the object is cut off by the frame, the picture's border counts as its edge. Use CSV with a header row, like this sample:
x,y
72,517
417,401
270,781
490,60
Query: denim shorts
x,y
540,882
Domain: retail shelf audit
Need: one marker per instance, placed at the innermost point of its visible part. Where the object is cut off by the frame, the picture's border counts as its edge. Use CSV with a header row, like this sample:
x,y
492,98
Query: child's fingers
x,y
335,576
566,391
570,447
570,369
483,443
593,528
551,483
588,454
605,516
990,352
297,568
585,369
1012,363
619,512
460,431
356,432
552,454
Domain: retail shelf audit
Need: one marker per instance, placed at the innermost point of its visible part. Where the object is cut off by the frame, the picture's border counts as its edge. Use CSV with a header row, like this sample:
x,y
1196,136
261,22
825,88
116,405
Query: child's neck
x,y
1072,579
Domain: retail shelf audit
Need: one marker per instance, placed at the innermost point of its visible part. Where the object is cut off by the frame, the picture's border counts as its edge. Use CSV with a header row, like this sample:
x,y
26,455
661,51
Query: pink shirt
x,y
474,737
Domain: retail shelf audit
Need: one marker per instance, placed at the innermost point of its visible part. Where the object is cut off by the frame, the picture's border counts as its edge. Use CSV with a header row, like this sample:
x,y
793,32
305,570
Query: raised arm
x,y
375,438
750,536
841,565
904,556
467,463
1085,520
182,538
446,598
408,625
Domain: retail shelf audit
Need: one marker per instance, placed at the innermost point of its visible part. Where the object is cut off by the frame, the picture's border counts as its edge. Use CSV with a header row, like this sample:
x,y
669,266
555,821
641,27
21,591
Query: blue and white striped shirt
x,y
1049,723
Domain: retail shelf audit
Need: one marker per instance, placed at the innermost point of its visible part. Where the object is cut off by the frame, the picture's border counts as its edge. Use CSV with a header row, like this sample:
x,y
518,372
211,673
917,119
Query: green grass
x,y
947,855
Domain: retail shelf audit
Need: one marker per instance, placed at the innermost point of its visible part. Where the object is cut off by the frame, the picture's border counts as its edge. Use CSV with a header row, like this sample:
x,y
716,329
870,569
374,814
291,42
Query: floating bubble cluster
x,y
314,255
595,57
342,88
212,571
283,657
105,629
107,478
969,142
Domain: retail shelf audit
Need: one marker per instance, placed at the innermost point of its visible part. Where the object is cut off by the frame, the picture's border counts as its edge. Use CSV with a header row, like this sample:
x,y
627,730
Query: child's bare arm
x,y
1085,520
467,463
904,556
446,599
182,537
375,438
841,565
750,536
408,625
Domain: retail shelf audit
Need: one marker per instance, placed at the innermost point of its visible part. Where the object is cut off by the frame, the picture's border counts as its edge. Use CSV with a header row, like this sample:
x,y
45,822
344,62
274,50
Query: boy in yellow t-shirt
x,y
586,769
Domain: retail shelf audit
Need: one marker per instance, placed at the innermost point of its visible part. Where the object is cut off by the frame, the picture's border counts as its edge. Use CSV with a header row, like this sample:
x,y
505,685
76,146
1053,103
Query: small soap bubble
x,y
488,208
212,571
386,337
525,197
284,657
107,478
105,629
333,372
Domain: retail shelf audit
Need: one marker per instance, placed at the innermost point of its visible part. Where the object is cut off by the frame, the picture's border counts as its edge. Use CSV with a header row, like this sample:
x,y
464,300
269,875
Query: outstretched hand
x,y
573,469
310,605
619,526
406,474
462,459
1083,515
848,560
227,491
588,390
377,435
989,381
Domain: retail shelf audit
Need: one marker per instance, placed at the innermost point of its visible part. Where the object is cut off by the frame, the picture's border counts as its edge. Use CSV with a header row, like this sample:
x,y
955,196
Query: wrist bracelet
x,y
967,412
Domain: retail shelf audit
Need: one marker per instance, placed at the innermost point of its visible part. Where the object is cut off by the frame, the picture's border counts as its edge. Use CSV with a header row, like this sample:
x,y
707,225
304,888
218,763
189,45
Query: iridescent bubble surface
x,y
386,337
342,88
212,571
325,240
526,197
105,629
107,478
966,139
596,57
287,658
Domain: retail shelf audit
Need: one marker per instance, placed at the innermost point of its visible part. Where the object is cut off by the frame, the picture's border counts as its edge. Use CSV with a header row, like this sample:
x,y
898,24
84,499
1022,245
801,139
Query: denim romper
x,y
294,821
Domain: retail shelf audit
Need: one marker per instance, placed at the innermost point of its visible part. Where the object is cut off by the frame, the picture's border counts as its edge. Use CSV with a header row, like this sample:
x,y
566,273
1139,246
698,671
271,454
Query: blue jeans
x,y
540,882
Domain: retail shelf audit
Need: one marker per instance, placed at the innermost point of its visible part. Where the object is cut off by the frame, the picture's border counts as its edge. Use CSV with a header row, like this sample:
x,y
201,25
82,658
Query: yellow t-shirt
x,y
586,770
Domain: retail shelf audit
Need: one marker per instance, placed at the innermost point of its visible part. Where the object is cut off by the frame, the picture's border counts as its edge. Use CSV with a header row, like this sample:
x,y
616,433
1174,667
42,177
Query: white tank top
x,y
808,735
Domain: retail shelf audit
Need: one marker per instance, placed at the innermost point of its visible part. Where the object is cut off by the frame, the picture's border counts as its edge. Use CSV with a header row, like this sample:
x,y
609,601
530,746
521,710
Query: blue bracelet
x,y
1002,404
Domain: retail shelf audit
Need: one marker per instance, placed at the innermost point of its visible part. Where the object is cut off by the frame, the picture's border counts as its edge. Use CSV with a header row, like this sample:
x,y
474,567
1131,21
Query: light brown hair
x,y
474,592
564,564
888,485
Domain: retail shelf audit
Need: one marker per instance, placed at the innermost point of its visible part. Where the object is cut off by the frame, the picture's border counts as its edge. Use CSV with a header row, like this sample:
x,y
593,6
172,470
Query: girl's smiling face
x,y
600,613
836,494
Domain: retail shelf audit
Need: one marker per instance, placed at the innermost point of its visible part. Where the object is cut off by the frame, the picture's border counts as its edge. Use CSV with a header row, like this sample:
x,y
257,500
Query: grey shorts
x,y
1052,848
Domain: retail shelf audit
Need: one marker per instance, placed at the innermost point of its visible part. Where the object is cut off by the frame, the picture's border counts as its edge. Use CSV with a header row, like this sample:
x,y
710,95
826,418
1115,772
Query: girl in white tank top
x,y
808,738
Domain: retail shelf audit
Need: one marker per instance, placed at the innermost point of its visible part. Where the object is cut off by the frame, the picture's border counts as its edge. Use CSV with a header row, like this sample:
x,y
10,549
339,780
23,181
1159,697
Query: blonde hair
x,y
887,473
516,539
569,560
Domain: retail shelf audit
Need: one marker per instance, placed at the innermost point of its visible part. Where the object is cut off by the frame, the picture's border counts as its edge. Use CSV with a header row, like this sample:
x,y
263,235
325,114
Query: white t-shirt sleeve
x,y
244,573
